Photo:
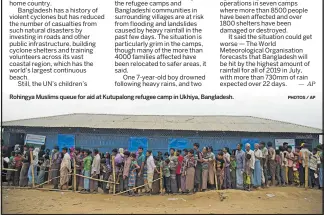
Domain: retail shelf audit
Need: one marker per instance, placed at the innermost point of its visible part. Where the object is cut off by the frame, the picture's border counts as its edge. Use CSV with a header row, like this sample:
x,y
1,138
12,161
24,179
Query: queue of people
x,y
183,171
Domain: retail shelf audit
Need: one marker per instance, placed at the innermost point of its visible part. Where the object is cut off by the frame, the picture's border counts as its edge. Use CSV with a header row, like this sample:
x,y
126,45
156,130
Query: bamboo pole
x,y
32,166
216,183
137,187
46,189
50,169
111,182
114,173
74,175
48,181
9,169
161,176
306,171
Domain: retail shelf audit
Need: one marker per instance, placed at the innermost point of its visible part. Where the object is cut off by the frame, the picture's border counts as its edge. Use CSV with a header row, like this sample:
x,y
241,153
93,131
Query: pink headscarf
x,y
71,152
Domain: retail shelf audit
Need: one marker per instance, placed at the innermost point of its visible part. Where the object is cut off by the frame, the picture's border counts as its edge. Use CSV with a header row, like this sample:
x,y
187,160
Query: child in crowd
x,y
247,172
296,172
233,170
220,165
18,165
10,173
166,175
278,167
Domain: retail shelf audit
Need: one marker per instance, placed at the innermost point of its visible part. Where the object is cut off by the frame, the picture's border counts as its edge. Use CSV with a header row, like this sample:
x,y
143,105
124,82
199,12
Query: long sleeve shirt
x,y
150,164
240,159
227,159
96,165
314,161
258,153
252,158
66,162
283,159
305,152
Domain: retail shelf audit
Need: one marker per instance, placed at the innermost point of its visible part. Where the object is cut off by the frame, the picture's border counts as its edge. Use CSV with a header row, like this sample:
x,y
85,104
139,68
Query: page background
x,y
261,102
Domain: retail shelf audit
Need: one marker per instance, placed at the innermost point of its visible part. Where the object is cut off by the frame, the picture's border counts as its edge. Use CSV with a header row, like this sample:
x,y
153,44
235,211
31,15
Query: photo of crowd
x,y
186,171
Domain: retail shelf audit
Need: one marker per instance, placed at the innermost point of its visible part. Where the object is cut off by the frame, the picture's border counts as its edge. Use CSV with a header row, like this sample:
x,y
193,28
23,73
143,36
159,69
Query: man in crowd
x,y
251,160
95,171
78,155
227,173
272,163
198,170
182,171
25,166
240,160
140,171
178,170
264,164
56,163
173,167
150,169
65,170
127,165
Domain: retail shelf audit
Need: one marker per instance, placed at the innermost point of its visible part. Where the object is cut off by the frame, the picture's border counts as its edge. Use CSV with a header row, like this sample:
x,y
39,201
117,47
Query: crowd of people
x,y
183,171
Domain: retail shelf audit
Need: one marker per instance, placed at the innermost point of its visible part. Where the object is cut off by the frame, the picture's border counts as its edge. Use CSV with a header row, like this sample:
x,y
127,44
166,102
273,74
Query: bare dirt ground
x,y
286,200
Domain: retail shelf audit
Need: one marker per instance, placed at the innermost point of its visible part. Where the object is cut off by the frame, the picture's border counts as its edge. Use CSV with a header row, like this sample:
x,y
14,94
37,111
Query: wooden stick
x,y
161,176
74,175
286,169
137,187
50,169
110,182
216,183
48,181
114,173
32,166
48,189
306,171
9,169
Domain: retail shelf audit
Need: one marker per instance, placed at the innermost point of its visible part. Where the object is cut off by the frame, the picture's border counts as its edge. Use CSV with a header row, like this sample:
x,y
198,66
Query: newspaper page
x,y
212,98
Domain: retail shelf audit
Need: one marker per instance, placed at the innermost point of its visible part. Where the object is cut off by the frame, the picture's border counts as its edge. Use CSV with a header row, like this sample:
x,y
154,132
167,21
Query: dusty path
x,y
286,200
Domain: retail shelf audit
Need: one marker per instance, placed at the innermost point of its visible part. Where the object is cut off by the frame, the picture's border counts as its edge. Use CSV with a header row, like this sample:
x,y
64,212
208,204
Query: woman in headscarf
x,y
65,169
211,167
34,166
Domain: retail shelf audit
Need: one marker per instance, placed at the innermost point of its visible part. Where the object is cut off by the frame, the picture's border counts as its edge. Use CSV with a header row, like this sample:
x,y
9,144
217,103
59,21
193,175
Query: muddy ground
x,y
285,200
